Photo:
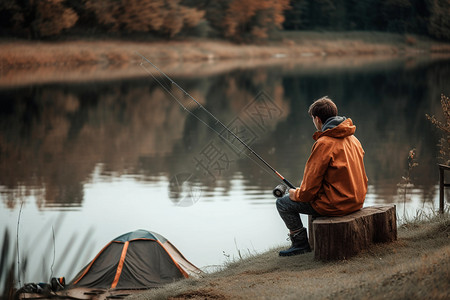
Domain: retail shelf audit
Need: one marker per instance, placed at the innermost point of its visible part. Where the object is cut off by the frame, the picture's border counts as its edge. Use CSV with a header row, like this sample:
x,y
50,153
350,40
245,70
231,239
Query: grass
x,y
417,265
15,264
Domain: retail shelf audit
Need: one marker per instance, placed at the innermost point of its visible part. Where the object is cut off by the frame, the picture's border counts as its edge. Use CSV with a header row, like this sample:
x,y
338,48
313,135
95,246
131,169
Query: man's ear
x,y
318,123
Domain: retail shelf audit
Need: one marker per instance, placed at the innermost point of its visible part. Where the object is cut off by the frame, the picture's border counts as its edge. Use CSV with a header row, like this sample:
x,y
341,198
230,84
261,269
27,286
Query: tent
x,y
136,260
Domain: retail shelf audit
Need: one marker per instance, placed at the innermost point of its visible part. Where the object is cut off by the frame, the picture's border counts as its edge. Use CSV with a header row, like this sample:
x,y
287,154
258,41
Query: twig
x,y
54,254
17,240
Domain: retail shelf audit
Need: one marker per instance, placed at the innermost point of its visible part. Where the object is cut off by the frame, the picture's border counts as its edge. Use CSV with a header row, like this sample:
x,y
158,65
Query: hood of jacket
x,y
337,127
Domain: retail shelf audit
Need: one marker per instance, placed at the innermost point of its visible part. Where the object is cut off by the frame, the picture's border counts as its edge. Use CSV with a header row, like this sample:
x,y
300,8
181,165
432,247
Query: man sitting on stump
x,y
334,180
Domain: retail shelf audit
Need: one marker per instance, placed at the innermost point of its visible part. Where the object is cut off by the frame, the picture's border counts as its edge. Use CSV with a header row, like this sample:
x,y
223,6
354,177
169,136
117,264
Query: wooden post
x,y
441,189
442,185
310,232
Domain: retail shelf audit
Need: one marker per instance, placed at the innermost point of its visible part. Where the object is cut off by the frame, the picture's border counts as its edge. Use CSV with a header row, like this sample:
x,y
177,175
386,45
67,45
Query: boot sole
x,y
296,252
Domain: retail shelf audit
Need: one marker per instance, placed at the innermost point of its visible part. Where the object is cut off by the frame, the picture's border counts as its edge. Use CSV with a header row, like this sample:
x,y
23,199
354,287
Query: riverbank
x,y
416,266
25,62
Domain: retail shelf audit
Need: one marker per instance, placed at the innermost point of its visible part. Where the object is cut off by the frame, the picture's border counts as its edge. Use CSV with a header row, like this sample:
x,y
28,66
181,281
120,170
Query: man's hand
x,y
292,194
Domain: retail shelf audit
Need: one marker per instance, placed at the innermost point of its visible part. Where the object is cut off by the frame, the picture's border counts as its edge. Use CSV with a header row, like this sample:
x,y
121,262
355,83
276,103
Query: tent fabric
x,y
140,234
135,260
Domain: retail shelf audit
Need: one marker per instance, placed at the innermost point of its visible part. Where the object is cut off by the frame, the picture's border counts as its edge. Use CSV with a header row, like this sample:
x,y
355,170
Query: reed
x,y
7,269
15,266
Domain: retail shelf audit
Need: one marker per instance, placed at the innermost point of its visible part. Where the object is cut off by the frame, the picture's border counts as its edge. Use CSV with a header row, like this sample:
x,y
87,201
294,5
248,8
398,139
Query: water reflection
x,y
52,137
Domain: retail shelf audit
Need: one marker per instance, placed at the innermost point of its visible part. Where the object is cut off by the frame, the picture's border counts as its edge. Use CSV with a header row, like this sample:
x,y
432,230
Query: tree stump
x,y
342,237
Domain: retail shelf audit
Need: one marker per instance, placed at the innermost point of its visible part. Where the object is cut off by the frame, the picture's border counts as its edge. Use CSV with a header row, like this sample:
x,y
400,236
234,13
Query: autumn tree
x,y
52,17
444,143
214,14
253,18
165,17
36,18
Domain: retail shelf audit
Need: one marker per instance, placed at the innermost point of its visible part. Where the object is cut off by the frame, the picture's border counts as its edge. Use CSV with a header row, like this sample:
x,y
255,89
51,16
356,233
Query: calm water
x,y
81,164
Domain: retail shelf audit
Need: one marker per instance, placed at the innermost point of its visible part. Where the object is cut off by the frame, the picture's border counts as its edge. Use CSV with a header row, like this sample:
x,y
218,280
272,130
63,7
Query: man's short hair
x,y
323,108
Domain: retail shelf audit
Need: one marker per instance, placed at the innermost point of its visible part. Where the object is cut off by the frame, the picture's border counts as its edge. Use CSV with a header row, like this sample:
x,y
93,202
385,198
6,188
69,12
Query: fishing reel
x,y
280,190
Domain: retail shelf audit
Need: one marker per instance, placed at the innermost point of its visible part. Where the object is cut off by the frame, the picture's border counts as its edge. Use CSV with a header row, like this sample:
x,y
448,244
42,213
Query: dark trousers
x,y
290,212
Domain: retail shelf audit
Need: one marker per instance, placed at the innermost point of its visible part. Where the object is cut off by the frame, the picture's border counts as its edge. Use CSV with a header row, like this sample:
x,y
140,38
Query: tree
x,y
36,18
444,143
364,14
396,13
52,17
106,12
11,16
321,12
215,15
253,18
165,17
297,16
439,22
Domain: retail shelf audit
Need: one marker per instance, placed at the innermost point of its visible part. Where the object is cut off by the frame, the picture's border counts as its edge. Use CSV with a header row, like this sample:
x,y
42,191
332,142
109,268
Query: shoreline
x,y
27,62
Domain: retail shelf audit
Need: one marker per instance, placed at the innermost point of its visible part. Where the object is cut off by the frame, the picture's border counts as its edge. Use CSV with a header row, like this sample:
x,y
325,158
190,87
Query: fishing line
x,y
217,121
202,121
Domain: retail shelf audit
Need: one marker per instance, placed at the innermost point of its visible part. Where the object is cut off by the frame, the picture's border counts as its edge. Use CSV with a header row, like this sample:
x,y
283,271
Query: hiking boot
x,y
300,244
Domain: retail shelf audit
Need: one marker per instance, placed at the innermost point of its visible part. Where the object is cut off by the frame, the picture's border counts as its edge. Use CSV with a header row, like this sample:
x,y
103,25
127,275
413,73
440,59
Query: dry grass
x,y
23,62
417,266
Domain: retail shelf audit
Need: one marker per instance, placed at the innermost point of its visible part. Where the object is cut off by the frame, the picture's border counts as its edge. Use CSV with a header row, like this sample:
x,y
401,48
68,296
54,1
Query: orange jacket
x,y
334,180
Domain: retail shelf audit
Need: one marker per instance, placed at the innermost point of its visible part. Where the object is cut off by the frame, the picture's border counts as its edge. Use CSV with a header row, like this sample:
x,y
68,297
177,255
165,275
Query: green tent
x,y
136,260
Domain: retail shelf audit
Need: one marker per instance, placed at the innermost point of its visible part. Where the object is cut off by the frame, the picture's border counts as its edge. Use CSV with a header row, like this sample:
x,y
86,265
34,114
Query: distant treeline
x,y
238,20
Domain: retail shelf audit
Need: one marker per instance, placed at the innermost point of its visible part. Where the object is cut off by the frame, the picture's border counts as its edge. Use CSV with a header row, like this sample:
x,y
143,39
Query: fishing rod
x,y
279,190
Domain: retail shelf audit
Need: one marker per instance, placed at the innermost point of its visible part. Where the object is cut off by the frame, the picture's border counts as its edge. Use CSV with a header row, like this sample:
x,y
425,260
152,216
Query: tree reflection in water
x,y
53,137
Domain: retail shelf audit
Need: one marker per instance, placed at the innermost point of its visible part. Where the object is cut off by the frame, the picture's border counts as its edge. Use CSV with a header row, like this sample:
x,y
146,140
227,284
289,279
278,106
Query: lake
x,y
84,162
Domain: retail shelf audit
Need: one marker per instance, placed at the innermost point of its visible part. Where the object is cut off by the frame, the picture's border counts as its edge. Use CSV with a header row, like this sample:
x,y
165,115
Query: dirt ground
x,y
34,62
416,266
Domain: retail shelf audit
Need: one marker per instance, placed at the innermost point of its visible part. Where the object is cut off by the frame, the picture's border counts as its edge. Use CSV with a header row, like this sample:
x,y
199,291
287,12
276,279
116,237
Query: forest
x,y
235,20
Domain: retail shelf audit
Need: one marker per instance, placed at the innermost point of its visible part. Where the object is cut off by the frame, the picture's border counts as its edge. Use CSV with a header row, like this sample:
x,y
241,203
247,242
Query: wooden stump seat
x,y
342,237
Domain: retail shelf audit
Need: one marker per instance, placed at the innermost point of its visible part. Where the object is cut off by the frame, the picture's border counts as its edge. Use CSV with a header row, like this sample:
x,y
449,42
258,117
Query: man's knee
x,y
282,203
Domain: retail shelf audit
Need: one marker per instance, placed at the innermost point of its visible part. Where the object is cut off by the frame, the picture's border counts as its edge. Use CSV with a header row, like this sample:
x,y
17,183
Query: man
x,y
334,180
